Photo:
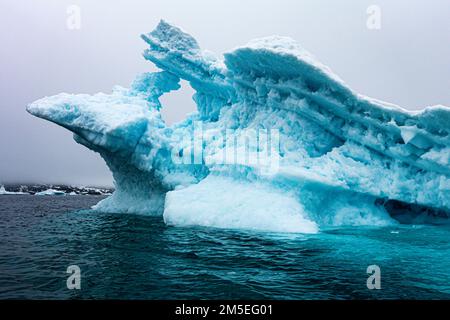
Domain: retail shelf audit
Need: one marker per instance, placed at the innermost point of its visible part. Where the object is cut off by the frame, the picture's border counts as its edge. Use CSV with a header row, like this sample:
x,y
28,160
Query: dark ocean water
x,y
138,257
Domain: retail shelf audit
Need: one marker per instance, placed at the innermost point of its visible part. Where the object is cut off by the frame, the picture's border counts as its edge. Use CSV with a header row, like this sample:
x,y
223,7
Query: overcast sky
x,y
406,62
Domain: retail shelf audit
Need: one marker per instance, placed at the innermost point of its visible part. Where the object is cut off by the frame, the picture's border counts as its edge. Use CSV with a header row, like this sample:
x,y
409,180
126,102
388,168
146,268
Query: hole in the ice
x,y
399,140
312,86
177,104
409,213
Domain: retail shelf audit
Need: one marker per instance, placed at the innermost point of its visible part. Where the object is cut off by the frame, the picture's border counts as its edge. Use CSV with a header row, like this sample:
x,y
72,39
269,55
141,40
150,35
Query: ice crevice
x,y
307,152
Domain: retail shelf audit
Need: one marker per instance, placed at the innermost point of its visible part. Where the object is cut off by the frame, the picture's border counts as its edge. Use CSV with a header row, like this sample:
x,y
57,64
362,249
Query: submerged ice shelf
x,y
278,142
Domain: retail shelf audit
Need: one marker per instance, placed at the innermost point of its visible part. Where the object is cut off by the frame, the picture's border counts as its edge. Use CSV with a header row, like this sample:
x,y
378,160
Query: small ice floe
x,y
4,192
50,192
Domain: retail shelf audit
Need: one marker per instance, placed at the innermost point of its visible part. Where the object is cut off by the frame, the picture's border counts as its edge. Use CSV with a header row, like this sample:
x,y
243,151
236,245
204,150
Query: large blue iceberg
x,y
278,143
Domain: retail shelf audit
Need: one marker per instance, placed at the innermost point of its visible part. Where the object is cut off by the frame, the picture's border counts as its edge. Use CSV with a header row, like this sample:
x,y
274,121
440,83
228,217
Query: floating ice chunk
x,y
3,191
50,192
341,158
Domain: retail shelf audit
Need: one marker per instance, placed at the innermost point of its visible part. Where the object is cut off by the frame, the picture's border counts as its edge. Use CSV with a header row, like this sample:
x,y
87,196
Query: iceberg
x,y
3,191
50,192
278,142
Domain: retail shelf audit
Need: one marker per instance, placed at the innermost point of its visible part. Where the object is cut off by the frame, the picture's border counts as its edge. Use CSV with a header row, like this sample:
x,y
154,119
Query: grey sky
x,y
406,62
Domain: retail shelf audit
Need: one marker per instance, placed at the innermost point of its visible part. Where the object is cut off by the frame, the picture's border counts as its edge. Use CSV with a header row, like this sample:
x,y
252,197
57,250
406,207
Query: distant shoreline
x,y
50,189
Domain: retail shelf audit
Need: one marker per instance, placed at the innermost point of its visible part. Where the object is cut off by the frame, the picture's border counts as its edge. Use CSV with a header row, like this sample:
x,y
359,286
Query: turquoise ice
x,y
278,142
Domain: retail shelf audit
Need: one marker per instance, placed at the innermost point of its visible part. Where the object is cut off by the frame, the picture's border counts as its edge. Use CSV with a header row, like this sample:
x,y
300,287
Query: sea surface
x,y
139,257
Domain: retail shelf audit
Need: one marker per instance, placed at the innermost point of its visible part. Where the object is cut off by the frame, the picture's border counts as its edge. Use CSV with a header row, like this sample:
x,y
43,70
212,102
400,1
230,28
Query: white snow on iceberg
x,y
278,142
